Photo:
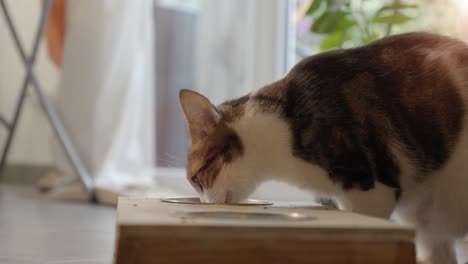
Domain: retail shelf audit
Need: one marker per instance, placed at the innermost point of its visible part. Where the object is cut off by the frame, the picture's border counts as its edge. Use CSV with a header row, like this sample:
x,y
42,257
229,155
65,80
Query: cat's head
x,y
217,167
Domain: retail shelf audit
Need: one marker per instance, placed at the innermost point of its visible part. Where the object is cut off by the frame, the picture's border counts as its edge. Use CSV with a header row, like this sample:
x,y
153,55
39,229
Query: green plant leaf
x,y
316,4
392,19
330,22
337,4
333,40
396,7
373,36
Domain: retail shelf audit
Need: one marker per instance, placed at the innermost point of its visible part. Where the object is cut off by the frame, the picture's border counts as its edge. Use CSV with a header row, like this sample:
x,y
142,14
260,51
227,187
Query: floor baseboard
x,y
24,173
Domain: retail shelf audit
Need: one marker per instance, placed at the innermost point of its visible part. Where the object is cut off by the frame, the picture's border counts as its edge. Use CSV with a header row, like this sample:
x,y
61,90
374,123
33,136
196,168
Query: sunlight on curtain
x,y
239,46
106,95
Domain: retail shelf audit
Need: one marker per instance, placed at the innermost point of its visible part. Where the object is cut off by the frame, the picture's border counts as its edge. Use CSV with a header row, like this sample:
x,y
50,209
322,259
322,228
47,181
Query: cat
x,y
381,129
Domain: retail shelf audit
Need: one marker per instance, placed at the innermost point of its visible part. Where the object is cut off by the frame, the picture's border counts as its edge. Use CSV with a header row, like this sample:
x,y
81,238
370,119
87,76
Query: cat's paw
x,y
418,261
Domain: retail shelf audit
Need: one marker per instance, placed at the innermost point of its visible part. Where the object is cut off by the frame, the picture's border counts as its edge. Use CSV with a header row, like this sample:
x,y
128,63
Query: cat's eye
x,y
197,181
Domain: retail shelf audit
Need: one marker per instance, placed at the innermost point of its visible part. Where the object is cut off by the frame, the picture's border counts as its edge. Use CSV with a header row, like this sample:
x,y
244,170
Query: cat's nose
x,y
204,199
228,197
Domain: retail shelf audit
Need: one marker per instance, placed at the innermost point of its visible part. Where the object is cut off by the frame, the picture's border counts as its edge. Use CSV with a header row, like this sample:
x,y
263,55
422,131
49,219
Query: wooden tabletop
x,y
148,229
327,223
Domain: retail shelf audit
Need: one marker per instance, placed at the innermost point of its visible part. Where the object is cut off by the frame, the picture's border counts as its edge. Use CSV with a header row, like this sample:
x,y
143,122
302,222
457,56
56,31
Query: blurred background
x,y
112,70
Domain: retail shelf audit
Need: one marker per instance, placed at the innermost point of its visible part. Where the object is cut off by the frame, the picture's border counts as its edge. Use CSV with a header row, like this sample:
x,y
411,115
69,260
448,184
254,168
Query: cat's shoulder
x,y
416,38
394,50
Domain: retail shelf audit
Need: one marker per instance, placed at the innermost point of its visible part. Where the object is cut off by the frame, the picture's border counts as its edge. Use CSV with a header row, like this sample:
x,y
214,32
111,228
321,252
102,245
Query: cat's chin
x,y
232,199
227,198
203,199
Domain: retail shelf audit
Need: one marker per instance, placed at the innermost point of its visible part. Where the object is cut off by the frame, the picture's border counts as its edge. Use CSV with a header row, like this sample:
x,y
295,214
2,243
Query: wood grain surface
x,y
149,231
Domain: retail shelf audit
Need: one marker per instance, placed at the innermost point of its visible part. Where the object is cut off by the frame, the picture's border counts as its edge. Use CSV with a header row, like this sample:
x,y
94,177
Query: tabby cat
x,y
381,129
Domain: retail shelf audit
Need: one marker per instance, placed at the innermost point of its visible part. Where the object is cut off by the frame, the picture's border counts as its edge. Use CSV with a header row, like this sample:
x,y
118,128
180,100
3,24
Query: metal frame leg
x,y
4,123
47,107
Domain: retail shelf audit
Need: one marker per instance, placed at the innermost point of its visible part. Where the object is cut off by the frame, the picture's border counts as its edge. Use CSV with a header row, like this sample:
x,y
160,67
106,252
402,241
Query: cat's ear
x,y
201,116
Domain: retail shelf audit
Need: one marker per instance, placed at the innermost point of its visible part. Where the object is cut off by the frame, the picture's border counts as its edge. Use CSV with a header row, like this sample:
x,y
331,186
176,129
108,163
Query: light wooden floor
x,y
33,230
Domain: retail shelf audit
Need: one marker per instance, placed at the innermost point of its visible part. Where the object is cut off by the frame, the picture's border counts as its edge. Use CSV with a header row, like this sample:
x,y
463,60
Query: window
x,y
175,34
235,34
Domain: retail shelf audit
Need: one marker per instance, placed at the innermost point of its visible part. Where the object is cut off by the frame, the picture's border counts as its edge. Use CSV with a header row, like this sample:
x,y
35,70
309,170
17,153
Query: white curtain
x,y
106,96
240,46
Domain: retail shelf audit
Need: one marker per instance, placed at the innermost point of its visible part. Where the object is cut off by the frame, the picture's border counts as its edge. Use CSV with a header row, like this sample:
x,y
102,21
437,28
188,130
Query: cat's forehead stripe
x,y
208,157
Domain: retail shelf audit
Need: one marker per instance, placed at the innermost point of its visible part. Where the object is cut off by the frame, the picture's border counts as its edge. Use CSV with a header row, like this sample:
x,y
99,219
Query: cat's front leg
x,y
434,250
378,201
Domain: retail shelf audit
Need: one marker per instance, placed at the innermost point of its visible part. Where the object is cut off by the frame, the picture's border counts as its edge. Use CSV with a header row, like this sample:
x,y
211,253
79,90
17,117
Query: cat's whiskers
x,y
172,161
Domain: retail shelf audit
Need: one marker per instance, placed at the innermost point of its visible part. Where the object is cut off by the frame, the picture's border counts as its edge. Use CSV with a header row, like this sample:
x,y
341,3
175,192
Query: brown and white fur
x,y
381,129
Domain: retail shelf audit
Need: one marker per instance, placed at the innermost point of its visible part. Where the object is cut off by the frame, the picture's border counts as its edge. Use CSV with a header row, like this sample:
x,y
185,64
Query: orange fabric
x,y
55,31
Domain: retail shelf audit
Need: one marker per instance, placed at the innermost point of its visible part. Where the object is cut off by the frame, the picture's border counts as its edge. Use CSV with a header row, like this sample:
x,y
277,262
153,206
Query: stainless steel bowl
x,y
196,200
233,215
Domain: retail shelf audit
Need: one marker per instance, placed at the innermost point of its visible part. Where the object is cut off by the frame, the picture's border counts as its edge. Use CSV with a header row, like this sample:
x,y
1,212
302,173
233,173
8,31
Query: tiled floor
x,y
33,230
